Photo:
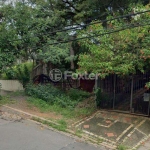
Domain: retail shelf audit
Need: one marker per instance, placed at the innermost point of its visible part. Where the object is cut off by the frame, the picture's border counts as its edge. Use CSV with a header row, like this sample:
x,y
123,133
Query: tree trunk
x,y
72,55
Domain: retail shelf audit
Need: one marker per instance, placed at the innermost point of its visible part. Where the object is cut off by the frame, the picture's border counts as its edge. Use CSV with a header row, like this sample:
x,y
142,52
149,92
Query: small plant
x,y
23,75
78,133
99,97
63,124
102,99
147,85
99,140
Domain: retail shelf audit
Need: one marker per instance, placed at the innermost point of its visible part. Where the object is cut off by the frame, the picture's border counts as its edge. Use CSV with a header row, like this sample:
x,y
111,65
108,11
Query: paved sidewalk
x,y
145,145
118,129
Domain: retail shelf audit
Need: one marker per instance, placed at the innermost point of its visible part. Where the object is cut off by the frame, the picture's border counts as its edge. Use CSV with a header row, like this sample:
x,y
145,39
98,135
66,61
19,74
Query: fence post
x,y
114,91
149,107
131,100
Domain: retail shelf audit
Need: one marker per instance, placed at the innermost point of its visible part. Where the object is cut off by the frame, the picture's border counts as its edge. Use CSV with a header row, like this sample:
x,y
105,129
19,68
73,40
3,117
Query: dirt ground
x,y
21,104
24,106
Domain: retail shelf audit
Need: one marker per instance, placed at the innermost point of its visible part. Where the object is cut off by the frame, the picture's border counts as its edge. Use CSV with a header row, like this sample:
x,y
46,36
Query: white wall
x,y
11,85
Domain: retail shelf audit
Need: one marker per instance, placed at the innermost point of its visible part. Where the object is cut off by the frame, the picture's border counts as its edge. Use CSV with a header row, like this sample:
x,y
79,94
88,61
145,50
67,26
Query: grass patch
x,y
99,140
42,105
17,93
67,112
5,100
61,126
76,94
79,133
122,147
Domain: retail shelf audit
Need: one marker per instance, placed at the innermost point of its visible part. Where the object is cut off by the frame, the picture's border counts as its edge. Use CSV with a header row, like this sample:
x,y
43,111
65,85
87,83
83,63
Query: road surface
x,y
27,135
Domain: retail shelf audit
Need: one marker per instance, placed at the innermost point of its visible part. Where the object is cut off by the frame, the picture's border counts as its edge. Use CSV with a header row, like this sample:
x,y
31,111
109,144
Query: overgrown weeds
x,y
56,97
67,112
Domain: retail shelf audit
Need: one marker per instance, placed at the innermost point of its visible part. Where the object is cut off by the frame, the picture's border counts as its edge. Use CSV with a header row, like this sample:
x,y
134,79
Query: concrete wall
x,y
11,85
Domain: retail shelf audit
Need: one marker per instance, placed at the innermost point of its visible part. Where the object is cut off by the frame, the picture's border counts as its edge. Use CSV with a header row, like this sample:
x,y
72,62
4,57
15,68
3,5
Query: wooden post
x,y
131,100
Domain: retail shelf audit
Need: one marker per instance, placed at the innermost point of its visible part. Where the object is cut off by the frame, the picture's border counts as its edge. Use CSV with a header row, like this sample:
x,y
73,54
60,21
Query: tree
x,y
26,32
121,53
85,11
30,28
8,50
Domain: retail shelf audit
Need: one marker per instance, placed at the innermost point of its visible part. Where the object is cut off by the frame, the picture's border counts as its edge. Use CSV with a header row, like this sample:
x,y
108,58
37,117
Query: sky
x,y
8,1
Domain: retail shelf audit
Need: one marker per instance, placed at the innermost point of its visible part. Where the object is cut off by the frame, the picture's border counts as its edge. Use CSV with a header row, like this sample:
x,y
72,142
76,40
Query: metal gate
x,y
126,93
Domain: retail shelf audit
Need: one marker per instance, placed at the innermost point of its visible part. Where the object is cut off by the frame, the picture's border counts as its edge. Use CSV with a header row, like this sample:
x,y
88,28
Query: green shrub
x,y
44,92
102,99
12,73
76,94
23,74
51,95
99,97
9,74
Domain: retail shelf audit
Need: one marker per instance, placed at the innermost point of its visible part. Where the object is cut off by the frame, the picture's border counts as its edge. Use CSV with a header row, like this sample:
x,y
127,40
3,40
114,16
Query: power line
x,y
99,34
89,37
106,33
102,21
106,20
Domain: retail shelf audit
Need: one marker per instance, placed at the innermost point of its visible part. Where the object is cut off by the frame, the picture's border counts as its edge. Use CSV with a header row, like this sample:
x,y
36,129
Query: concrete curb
x,y
31,115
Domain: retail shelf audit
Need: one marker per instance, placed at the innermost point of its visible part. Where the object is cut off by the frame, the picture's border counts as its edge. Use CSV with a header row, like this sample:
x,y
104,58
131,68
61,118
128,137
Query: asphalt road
x,y
27,135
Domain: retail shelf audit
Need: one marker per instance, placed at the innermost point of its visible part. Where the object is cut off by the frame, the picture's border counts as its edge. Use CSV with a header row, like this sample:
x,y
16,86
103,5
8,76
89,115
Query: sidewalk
x,y
145,145
118,129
